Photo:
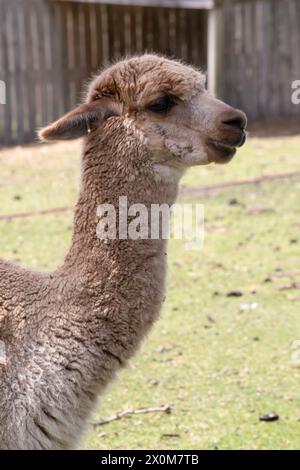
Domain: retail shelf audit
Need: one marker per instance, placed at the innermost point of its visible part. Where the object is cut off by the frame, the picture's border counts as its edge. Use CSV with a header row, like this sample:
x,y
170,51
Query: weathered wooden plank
x,y
194,4
59,56
139,30
45,20
94,44
122,28
9,37
105,34
199,39
182,28
41,11
171,31
264,65
147,29
110,30
274,61
70,61
17,82
5,125
259,48
98,37
77,51
29,74
251,56
294,14
285,58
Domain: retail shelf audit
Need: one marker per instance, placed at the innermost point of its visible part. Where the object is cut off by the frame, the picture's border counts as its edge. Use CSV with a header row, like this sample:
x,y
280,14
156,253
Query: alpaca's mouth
x,y
222,153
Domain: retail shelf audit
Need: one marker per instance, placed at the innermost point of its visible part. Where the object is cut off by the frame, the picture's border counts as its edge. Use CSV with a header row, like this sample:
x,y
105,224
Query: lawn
x,y
219,361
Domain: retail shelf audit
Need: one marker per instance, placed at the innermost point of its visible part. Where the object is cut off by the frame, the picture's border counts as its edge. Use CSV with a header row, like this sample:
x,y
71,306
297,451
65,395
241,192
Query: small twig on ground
x,y
293,285
290,274
202,190
123,414
23,215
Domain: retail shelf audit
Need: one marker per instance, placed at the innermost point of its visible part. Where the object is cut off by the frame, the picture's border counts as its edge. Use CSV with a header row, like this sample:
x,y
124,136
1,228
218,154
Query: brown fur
x,y
67,333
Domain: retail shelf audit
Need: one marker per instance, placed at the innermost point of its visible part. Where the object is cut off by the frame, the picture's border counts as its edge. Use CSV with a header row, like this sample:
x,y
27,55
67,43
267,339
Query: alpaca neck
x,y
118,285
113,288
106,180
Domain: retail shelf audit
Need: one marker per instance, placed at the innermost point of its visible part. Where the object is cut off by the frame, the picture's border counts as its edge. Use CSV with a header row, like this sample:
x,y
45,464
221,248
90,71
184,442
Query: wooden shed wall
x,y
258,55
48,49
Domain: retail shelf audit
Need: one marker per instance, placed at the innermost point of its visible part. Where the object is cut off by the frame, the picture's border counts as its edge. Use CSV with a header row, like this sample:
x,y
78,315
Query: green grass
x,y
217,363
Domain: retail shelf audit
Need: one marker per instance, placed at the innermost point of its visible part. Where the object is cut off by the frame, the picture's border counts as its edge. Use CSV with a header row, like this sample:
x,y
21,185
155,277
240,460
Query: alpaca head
x,y
167,106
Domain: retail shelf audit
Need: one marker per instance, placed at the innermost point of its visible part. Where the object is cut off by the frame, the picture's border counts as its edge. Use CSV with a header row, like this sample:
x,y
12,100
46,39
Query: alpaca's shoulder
x,y
9,274
6,266
11,280
21,293
18,284
10,270
12,275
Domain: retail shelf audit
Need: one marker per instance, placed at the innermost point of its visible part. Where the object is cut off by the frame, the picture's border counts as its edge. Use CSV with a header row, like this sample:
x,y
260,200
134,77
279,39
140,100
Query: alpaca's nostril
x,y
237,120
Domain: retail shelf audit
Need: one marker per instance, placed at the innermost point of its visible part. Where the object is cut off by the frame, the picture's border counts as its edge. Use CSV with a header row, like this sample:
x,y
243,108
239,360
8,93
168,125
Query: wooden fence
x,y
49,48
258,56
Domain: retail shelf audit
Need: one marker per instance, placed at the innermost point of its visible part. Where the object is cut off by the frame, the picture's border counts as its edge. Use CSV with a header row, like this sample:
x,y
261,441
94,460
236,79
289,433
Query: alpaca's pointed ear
x,y
80,121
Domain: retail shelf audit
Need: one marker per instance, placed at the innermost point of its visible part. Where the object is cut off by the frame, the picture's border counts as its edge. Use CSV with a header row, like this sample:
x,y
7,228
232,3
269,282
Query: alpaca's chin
x,y
220,153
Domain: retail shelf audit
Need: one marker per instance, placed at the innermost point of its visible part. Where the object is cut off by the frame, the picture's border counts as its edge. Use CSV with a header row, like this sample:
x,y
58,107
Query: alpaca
x,y
65,334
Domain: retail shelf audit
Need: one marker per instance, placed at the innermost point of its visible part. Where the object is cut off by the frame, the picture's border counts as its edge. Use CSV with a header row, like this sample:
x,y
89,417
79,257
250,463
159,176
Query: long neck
x,y
113,289
112,170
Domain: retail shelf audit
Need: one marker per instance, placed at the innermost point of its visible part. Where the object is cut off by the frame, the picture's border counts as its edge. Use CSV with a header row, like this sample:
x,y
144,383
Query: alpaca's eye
x,y
161,105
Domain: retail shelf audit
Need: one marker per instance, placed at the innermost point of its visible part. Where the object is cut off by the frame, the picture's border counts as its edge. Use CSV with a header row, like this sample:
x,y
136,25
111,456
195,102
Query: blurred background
x,y
225,355
49,48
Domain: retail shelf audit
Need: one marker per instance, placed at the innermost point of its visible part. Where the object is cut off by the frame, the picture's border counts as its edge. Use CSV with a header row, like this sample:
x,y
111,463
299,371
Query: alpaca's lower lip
x,y
223,152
